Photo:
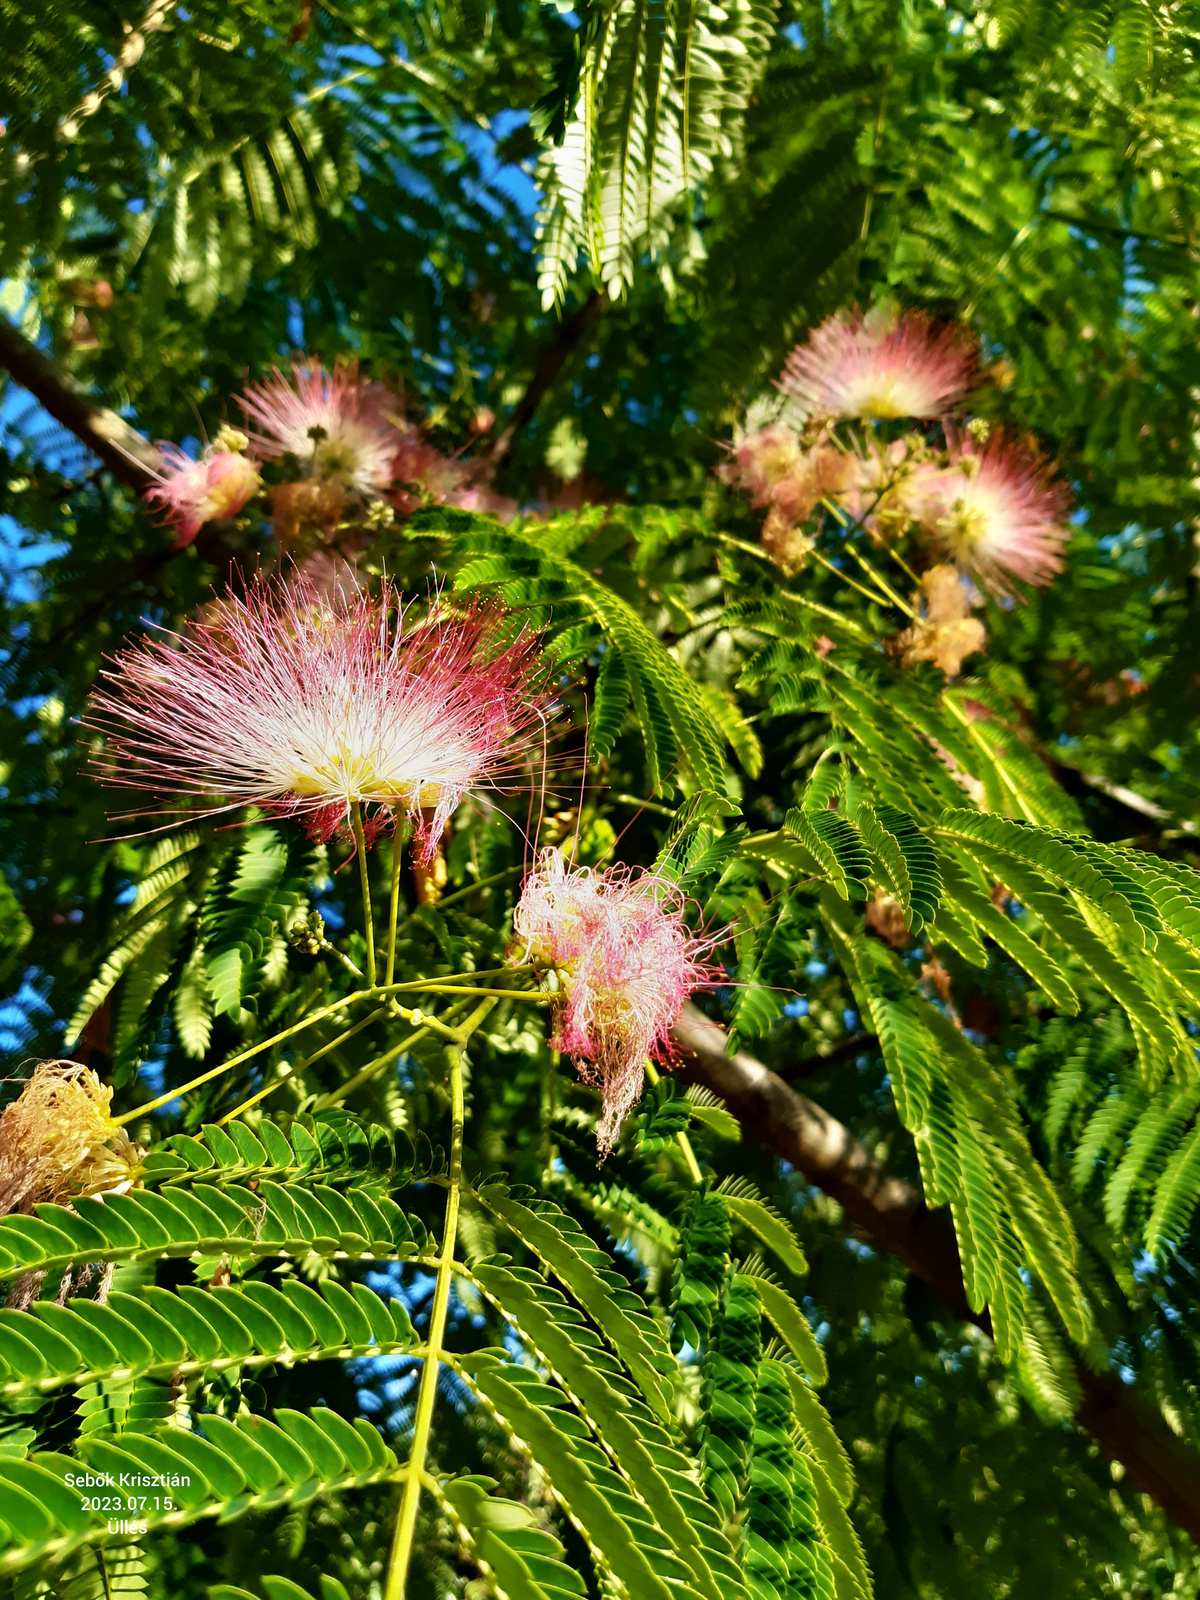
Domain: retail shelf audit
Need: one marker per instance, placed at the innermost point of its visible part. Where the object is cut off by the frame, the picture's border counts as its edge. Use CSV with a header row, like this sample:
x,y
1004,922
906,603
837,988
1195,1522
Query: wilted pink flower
x,y
195,492
336,424
943,630
416,461
304,702
481,497
995,512
625,963
445,479
879,365
791,477
761,460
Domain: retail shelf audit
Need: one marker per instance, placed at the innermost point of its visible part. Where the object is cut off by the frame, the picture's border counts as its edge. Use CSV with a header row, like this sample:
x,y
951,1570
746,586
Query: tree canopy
x,y
491,368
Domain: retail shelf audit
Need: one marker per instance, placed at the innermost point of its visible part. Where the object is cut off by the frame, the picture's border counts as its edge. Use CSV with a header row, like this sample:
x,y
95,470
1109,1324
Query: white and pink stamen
x,y
306,703
625,961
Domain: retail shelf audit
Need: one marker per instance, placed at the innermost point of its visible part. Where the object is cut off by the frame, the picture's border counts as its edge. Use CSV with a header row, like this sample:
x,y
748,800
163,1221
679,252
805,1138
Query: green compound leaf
x,y
238,1468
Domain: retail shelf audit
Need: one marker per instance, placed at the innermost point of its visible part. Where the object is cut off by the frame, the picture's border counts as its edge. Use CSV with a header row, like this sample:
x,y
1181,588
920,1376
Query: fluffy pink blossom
x,y
445,479
193,492
625,963
780,470
762,460
880,365
303,702
994,511
336,424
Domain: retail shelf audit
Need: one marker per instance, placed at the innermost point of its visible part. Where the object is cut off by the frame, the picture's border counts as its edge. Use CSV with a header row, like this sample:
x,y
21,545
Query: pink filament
x,y
626,963
880,365
304,702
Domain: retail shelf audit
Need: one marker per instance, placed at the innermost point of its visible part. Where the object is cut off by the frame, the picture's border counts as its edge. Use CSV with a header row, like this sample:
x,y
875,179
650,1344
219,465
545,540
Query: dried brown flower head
x,y
313,504
885,917
944,633
57,1139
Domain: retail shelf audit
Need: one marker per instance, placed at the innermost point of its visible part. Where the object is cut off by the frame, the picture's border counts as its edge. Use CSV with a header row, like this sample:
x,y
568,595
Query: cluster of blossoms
x,y
622,961
333,704
343,447
969,506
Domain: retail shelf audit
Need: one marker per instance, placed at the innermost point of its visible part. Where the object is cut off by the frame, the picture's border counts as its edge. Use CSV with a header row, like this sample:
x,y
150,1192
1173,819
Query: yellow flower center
x,y
355,775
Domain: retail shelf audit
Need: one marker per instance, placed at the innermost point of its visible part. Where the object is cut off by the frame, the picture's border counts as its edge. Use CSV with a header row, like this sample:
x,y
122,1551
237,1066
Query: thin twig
x,y
550,363
302,1066
415,986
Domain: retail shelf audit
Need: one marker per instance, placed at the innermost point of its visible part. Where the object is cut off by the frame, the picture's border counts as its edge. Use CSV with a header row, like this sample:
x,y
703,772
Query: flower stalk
x,y
878,578
302,1066
364,876
393,904
378,992
406,1521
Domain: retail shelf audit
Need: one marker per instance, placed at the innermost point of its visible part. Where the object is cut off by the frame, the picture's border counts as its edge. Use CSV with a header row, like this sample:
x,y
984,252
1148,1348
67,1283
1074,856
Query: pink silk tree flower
x,y
193,492
337,425
761,460
880,365
305,702
994,511
624,961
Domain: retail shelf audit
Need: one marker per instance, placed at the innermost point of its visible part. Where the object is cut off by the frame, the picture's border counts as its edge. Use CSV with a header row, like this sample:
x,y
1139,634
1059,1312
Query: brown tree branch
x,y
894,1213
121,448
553,358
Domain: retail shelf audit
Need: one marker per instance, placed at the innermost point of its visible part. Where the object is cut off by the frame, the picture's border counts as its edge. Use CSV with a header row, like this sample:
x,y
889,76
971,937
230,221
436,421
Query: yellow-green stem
x,y
236,1061
480,883
364,874
394,906
900,562
415,986
372,1068
788,594
844,577
406,1521
681,1138
856,522
878,578
302,1066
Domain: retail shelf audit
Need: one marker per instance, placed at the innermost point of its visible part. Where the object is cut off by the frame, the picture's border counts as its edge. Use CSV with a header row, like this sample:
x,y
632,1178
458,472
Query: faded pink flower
x,y
943,630
336,424
194,492
443,478
417,462
995,512
792,478
760,461
880,365
303,702
625,963
483,498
